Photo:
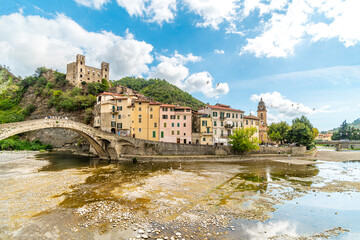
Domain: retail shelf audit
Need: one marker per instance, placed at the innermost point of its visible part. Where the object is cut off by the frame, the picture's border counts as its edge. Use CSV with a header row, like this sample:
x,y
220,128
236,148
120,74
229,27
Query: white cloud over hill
x,y
28,42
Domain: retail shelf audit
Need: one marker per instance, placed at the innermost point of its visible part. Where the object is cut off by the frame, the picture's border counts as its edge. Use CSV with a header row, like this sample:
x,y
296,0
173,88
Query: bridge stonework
x,y
111,146
341,144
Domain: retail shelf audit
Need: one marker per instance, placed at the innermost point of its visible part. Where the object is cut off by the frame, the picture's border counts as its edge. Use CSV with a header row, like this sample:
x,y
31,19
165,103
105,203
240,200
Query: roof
x,y
111,94
154,103
251,117
167,105
224,108
142,101
181,107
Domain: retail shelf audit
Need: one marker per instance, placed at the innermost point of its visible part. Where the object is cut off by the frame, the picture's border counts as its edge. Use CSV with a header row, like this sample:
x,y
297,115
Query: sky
x,y
301,56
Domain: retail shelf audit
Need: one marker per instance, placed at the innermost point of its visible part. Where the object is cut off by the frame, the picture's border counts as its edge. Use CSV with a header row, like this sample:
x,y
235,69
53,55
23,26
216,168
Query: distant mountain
x,y
161,91
356,123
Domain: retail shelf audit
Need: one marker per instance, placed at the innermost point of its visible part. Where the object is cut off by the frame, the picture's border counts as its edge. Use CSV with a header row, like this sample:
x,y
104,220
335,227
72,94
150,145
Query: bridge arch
x,y
87,132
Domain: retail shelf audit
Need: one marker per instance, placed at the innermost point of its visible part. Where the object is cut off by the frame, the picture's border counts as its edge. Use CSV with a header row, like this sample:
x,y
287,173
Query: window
x,y
119,125
208,130
184,124
178,125
215,131
113,124
241,124
184,134
162,134
164,124
222,124
164,116
172,109
119,100
241,116
222,133
119,116
139,130
233,115
81,75
139,115
172,132
80,69
237,115
151,109
139,108
187,110
113,116
204,139
227,115
184,117
139,120
172,117
214,114
222,114
236,124
151,116
204,123
154,134
165,109
214,123
178,132
178,117
261,116
247,122
113,107
155,125
252,122
173,124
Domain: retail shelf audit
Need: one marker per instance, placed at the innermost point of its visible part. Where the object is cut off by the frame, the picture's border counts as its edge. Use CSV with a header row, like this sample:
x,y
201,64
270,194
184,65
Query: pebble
x,y
141,231
178,234
144,236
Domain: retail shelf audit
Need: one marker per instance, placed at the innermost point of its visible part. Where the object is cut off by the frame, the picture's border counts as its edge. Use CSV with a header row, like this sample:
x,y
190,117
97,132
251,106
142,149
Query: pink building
x,y
175,124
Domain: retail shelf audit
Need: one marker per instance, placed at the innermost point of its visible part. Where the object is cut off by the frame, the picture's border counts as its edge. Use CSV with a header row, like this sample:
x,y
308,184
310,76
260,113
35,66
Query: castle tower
x,y
262,114
80,69
105,70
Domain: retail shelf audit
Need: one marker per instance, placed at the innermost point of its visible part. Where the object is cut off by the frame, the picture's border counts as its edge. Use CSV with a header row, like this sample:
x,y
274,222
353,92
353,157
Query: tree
x,y
242,140
304,120
278,131
300,134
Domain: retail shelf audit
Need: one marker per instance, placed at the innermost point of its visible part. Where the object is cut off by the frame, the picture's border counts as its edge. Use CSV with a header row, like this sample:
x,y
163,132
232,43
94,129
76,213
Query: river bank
x,y
67,196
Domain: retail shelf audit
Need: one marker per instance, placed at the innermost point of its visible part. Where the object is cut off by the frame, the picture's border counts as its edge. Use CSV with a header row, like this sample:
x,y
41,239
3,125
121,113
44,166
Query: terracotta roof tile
x,y
224,108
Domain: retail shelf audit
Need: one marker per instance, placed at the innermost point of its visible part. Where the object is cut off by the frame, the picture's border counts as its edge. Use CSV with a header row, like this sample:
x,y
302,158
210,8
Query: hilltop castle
x,y
77,72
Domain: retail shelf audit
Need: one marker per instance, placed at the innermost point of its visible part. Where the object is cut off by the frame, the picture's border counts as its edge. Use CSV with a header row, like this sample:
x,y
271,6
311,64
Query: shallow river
x,y
62,196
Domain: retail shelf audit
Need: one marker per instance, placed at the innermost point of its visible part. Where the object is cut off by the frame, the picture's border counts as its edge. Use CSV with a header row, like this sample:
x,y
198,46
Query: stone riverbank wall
x,y
163,148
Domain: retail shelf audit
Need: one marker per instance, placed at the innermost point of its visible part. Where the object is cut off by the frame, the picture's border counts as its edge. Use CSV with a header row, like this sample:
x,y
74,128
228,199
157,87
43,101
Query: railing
x,y
207,133
222,117
229,125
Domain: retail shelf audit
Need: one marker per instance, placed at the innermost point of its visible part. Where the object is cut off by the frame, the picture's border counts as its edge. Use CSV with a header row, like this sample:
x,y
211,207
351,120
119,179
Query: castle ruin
x,y
77,72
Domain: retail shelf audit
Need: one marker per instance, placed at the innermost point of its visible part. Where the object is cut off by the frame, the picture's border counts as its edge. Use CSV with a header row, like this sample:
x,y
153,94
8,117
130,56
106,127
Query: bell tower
x,y
262,114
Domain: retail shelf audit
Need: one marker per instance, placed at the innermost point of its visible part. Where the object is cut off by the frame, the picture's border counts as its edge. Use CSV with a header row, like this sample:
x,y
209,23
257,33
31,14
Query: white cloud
x,y
281,33
262,231
96,4
173,70
28,42
217,51
203,82
285,109
153,10
290,23
213,12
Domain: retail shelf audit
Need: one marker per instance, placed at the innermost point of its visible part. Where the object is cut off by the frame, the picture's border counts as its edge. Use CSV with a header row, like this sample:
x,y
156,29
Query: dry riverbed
x,y
168,200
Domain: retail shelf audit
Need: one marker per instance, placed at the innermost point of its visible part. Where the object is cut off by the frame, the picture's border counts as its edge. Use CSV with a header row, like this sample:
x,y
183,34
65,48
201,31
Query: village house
x,y
252,121
224,120
175,124
202,129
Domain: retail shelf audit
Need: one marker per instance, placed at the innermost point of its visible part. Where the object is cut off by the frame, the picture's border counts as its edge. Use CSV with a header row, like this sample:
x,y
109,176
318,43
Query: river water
x,y
63,196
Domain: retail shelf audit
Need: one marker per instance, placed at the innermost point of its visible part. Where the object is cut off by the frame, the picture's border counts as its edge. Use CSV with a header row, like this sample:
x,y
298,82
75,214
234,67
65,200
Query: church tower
x,y
262,114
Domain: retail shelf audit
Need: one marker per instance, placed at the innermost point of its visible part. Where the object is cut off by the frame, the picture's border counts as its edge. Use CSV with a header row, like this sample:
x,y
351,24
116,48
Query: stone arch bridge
x,y
111,146
106,145
341,144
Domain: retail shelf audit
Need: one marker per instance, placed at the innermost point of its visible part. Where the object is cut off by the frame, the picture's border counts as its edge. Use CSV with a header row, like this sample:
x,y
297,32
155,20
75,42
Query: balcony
x,y
207,133
224,136
114,111
222,117
229,126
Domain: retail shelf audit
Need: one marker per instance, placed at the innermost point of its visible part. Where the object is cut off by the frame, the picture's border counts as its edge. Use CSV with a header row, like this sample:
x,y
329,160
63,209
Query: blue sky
x,y
300,56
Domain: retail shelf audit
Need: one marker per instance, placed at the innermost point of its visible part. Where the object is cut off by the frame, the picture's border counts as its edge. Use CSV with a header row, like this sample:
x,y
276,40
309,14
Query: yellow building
x,y
145,120
252,121
202,129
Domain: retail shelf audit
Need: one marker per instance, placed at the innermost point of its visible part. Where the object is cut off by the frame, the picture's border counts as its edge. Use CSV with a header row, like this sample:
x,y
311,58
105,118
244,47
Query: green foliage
x,y
300,134
277,131
28,110
161,91
14,143
242,140
39,71
60,79
71,100
89,115
347,131
104,85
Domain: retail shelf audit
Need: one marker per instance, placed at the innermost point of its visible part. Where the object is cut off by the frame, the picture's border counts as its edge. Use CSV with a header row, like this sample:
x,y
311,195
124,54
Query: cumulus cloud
x,y
154,11
217,51
213,12
28,42
264,231
96,4
292,22
173,70
281,108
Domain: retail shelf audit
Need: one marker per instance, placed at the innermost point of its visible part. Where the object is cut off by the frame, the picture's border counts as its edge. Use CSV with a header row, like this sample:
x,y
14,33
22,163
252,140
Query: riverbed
x,y
62,196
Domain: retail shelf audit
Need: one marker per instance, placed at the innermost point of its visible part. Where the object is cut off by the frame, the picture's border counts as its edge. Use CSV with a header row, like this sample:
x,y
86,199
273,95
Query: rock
x,y
178,234
144,236
141,231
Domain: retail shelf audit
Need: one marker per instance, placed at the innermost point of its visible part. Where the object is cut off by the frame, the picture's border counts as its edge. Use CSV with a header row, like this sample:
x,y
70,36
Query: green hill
x,y
160,90
355,124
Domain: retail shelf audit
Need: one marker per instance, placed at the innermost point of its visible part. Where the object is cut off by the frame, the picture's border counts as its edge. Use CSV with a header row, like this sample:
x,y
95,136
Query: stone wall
x,y
281,150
